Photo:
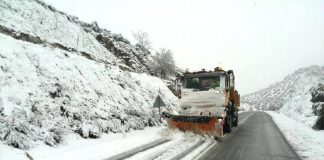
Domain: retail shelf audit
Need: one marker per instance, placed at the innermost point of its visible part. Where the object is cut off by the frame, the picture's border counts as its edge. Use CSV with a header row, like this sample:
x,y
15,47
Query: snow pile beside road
x,y
105,147
308,143
10,153
290,96
113,144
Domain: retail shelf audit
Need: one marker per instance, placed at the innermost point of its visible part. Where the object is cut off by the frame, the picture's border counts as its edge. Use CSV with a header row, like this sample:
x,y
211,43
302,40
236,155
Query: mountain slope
x,y
290,96
50,26
58,78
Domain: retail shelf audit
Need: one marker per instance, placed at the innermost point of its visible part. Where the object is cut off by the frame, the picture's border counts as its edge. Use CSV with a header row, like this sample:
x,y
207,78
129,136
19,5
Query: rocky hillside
x,y
36,22
291,96
61,76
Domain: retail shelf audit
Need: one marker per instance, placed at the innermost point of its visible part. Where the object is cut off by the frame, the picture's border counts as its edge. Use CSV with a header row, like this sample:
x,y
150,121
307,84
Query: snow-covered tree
x,y
163,63
318,105
142,39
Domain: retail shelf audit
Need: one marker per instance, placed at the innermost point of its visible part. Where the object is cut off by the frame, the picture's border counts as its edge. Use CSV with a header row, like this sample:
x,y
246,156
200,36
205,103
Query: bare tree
x,y
142,39
163,63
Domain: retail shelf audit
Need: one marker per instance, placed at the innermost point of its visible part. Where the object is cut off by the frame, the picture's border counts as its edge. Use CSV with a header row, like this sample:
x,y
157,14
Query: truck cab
x,y
210,93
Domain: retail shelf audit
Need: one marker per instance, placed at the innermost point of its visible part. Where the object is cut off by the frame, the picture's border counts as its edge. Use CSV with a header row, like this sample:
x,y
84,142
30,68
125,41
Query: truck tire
x,y
218,139
227,128
235,121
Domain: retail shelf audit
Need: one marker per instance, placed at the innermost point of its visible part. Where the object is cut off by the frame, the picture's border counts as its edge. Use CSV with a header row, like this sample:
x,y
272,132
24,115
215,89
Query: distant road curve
x,y
257,138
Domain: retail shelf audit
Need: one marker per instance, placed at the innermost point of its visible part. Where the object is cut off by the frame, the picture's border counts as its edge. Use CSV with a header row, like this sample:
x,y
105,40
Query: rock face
x,y
290,96
60,76
137,58
318,105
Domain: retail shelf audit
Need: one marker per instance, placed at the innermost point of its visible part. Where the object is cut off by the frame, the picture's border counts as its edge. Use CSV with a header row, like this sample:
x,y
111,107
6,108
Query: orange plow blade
x,y
208,125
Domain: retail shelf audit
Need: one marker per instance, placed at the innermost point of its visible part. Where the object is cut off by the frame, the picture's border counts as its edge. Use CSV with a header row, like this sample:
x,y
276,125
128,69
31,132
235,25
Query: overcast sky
x,y
261,40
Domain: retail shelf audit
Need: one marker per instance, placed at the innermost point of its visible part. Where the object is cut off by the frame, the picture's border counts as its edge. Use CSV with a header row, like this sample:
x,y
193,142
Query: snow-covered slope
x,y
35,18
57,78
290,96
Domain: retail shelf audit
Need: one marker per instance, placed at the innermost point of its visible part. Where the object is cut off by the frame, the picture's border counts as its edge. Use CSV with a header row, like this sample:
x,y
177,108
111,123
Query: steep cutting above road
x,y
60,76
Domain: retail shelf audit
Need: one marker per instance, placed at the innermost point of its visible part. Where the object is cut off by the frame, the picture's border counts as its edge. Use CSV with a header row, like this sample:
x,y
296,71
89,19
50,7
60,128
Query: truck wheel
x,y
235,123
228,124
218,139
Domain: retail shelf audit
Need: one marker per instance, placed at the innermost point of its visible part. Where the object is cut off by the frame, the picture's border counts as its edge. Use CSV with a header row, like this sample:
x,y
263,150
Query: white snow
x,y
50,93
50,98
91,149
202,149
290,96
10,153
291,101
308,143
75,147
29,16
180,141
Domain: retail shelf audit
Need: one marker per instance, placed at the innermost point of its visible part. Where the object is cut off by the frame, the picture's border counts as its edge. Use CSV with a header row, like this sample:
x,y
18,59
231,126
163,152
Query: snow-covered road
x,y
112,145
171,144
257,136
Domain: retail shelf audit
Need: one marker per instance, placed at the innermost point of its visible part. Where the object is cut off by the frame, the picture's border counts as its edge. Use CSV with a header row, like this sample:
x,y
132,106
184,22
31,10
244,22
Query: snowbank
x,y
9,153
308,143
92,149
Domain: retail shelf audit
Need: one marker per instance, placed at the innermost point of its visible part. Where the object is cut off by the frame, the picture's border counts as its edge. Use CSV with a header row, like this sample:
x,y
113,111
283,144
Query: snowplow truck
x,y
208,103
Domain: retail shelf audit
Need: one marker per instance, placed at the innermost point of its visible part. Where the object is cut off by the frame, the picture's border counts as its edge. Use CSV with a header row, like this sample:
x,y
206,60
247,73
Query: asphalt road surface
x,y
256,138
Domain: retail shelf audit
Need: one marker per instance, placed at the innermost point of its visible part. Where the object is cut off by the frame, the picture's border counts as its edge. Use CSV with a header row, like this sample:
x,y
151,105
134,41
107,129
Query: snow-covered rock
x,y
56,79
291,96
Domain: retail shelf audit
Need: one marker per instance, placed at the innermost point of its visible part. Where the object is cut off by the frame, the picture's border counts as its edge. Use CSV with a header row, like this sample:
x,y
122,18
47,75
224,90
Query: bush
x,y
318,106
89,131
163,63
317,93
319,124
15,133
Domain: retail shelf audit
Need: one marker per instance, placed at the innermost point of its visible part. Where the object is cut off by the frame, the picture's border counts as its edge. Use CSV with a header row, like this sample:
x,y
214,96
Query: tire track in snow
x,y
168,149
139,149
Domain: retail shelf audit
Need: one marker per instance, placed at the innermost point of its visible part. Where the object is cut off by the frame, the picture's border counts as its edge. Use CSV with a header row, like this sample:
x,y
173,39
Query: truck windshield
x,y
204,83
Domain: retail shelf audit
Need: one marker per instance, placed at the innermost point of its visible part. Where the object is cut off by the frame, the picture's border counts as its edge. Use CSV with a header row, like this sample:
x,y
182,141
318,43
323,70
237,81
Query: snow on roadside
x,y
308,143
113,144
9,153
180,141
92,149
